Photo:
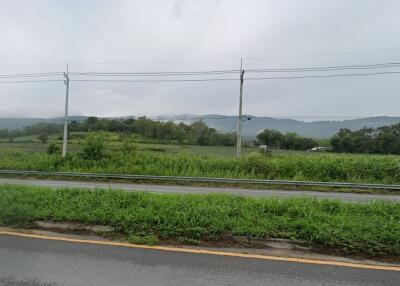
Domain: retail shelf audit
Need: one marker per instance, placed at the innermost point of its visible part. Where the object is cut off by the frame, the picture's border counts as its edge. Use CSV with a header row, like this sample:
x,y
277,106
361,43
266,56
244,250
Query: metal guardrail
x,y
200,179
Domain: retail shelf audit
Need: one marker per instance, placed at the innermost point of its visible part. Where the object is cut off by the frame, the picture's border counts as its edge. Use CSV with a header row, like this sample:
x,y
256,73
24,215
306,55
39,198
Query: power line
x,y
247,78
207,79
217,72
322,76
233,59
150,80
31,81
297,69
324,55
208,73
327,68
31,75
153,73
205,60
174,61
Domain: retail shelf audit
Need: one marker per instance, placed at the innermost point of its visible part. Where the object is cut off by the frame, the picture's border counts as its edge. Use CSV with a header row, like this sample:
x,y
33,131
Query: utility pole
x,y
65,138
239,125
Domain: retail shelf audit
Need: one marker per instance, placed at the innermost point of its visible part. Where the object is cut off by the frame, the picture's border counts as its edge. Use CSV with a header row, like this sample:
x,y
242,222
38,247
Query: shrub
x,y
94,146
53,149
128,147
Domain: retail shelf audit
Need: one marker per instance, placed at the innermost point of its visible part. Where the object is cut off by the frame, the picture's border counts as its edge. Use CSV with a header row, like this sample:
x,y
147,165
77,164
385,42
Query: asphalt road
x,y
187,189
34,262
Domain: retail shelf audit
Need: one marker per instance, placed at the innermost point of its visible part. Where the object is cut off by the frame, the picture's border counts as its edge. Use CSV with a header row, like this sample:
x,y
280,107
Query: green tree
x,y
4,133
270,137
43,137
342,141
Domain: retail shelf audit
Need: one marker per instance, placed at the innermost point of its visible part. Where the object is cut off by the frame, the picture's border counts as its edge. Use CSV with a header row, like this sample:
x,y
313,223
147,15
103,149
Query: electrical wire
x,y
322,76
199,74
150,80
300,69
153,73
31,81
324,55
328,68
31,75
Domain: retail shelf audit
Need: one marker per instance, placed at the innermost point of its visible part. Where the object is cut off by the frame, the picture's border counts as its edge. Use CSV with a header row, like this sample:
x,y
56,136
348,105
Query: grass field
x,y
371,229
287,166
114,141
201,161
223,151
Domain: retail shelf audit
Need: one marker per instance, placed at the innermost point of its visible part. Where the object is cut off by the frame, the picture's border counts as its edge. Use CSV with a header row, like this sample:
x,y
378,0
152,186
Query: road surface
x,y
188,189
34,262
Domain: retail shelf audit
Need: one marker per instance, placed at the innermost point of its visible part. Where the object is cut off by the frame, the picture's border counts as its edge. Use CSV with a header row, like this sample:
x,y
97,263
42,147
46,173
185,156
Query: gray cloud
x,y
41,36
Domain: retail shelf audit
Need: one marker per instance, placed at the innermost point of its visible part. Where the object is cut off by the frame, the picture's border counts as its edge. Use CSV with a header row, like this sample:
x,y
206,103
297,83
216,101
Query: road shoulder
x,y
274,254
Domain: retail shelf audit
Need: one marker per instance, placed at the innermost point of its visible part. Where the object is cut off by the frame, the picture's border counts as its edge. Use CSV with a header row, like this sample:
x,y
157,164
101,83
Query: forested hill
x,y
316,129
18,123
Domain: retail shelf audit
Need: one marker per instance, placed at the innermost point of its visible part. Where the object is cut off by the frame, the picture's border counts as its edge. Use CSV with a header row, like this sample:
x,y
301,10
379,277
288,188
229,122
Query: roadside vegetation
x,y
143,146
382,140
128,160
368,229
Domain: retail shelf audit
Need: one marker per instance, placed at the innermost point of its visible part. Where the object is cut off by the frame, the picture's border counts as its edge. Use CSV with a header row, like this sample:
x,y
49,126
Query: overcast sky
x,y
188,35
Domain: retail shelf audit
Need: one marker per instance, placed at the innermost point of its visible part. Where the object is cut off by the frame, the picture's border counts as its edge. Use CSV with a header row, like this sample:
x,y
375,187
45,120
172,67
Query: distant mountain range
x,y
17,123
315,129
251,127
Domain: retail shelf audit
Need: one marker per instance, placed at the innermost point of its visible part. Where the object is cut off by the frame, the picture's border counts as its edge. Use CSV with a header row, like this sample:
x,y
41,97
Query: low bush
x,y
94,146
143,239
53,149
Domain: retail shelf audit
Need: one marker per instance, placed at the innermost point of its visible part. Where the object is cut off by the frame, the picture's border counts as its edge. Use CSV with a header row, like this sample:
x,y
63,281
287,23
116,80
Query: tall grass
x,y
323,167
371,229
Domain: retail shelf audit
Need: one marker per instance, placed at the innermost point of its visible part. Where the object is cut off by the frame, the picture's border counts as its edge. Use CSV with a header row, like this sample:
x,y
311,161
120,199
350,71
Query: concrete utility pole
x,y
65,138
239,125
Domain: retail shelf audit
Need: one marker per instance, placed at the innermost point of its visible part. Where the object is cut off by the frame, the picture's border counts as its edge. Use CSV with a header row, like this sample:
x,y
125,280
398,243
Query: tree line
x,y
381,140
289,141
196,133
41,129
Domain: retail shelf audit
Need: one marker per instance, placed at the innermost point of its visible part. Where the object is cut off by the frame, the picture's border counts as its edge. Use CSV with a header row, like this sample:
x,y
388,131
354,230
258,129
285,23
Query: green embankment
x,y
320,167
371,229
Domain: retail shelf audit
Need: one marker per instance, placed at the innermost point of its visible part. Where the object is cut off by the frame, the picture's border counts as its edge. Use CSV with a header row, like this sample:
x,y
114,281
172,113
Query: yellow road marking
x,y
204,251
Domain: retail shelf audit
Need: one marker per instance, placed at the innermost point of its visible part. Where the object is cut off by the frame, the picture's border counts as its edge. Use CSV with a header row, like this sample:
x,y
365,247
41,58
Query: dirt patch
x,y
74,227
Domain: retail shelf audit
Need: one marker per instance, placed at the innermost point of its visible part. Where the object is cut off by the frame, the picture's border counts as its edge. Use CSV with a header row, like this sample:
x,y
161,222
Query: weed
x,y
148,239
321,167
371,228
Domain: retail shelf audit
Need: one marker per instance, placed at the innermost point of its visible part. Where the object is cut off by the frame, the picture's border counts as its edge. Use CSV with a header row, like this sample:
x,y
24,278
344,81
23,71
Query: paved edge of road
x,y
202,251
201,179
160,188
